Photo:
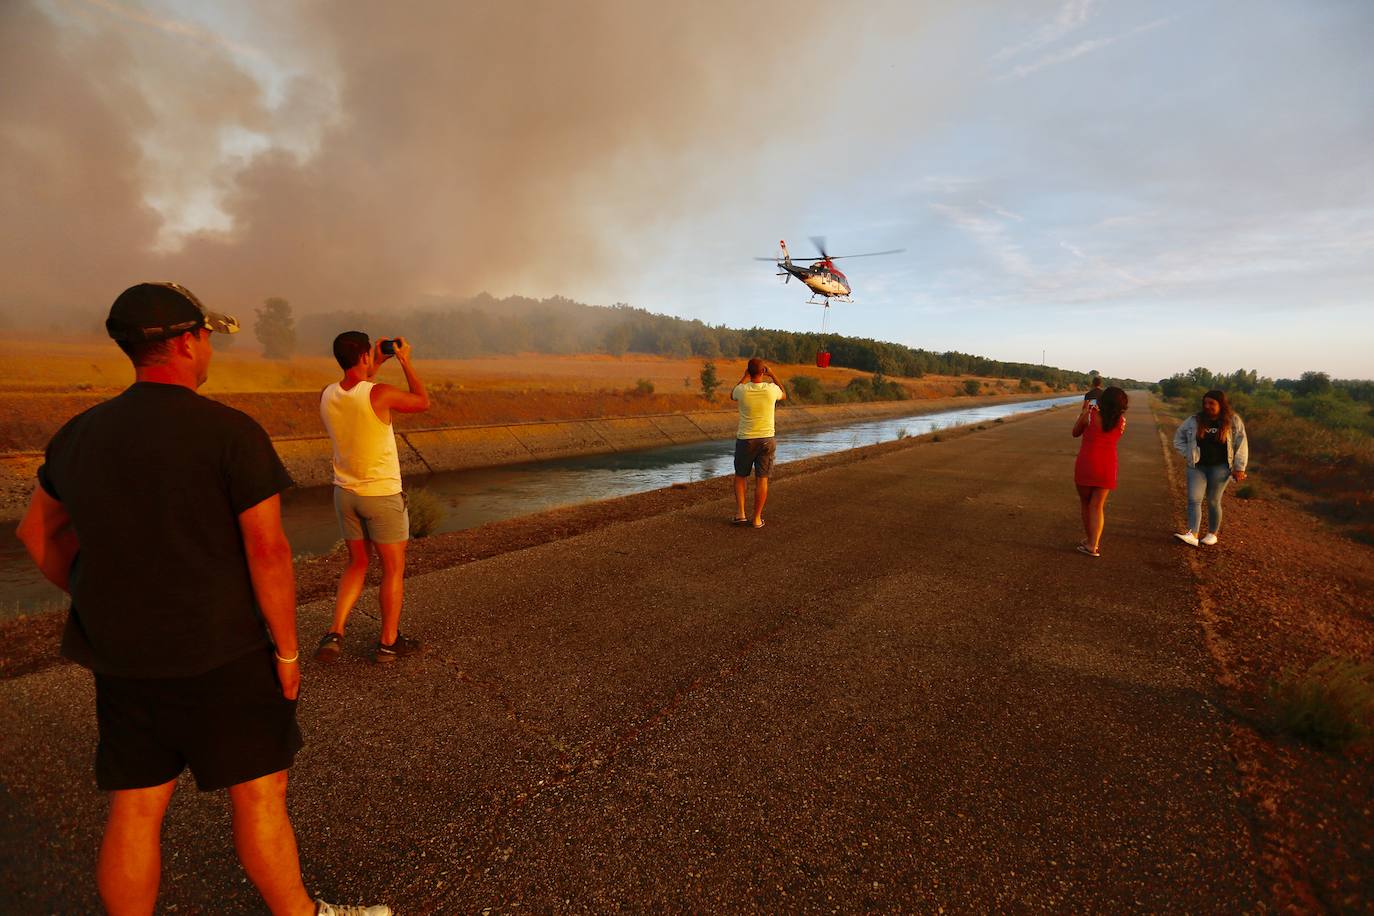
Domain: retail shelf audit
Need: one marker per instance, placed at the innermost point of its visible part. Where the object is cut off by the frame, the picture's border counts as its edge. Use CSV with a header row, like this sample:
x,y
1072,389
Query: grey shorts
x,y
755,455
379,519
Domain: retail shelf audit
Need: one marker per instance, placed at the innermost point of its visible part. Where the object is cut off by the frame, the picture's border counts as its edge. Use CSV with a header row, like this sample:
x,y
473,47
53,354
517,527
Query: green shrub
x,y
857,390
1330,705
426,512
1251,489
644,387
1333,411
709,380
806,388
971,386
891,391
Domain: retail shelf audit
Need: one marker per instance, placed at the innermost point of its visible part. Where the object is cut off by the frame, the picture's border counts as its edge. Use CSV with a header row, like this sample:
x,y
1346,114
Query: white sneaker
x,y
1209,539
1188,538
343,909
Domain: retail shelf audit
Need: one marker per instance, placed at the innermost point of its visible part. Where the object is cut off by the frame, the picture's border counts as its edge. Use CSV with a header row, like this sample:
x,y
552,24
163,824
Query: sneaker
x,y
330,648
343,909
1188,538
1209,539
403,645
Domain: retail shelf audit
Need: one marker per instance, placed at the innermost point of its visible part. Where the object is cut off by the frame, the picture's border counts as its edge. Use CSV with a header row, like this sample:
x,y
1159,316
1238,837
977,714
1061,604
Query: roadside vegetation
x,y
807,389
426,511
1330,705
1310,437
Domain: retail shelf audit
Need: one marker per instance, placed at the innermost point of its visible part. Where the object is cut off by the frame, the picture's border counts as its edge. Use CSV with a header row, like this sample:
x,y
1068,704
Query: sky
x,y
1134,187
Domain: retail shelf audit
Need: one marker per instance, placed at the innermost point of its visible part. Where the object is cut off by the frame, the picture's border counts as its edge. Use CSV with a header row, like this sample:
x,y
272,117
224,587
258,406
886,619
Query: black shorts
x,y
231,725
755,455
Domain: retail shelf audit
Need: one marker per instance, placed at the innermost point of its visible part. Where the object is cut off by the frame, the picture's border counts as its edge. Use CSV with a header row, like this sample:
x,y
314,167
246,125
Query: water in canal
x,y
479,496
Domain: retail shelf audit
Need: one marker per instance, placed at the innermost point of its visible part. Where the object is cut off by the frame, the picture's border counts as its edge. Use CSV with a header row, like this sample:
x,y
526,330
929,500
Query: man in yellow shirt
x,y
754,442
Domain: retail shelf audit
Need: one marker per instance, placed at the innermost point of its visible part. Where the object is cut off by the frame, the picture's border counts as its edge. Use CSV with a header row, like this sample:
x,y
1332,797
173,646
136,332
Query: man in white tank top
x,y
367,483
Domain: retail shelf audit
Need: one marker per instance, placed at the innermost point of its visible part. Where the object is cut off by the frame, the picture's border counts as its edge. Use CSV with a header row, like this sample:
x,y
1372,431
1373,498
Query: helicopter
x,y
823,278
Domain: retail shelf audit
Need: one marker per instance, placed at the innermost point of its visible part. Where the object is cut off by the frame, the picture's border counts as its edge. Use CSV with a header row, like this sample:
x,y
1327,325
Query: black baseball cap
x,y
157,311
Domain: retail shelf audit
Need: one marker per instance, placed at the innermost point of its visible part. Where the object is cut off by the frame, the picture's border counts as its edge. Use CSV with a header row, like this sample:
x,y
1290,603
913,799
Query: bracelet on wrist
x,y
286,661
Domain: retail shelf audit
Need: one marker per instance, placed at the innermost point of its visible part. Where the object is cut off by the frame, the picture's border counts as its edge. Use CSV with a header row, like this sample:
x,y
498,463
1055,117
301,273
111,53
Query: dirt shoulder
x,y
1278,592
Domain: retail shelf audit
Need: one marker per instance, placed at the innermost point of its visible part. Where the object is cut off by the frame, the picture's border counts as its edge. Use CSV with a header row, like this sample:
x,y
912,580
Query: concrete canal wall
x,y
457,448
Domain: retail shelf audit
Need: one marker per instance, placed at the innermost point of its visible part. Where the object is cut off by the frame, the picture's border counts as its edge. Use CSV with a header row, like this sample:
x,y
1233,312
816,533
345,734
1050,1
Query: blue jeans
x,y
1209,480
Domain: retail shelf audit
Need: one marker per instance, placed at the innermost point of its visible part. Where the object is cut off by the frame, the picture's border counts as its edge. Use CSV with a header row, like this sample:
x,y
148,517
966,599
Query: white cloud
x,y
940,184
1080,49
991,235
175,27
1070,17
1005,214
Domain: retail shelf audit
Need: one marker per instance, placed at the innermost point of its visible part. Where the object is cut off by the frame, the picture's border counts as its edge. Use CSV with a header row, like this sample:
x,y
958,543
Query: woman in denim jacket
x,y
1213,443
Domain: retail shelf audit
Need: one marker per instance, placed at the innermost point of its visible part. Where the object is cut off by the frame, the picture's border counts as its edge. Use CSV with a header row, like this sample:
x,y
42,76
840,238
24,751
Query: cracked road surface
x,y
906,692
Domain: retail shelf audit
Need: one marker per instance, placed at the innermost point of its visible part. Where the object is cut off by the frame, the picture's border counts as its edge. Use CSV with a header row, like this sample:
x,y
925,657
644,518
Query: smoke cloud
x,y
366,155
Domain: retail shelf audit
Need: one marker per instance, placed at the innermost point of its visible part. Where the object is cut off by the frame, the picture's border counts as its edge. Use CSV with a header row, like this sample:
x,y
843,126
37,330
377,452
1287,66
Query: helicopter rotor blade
x,y
819,242
870,254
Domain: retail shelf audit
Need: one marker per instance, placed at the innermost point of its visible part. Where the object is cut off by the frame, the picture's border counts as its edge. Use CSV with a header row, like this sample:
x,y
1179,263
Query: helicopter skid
x,y
826,300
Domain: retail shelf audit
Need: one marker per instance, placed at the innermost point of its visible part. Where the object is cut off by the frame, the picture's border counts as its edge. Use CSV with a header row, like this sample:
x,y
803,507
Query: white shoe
x,y
342,909
1188,538
1209,540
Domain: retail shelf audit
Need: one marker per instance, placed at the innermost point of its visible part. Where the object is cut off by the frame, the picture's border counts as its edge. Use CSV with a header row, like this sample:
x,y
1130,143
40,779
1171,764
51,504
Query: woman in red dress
x,y
1094,473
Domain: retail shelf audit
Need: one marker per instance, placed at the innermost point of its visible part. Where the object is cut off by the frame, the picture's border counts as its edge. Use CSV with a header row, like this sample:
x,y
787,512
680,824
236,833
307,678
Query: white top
x,y
365,458
756,400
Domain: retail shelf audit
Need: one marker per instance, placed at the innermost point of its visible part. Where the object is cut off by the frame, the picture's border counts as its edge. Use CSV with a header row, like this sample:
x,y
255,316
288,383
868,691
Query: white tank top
x,y
365,458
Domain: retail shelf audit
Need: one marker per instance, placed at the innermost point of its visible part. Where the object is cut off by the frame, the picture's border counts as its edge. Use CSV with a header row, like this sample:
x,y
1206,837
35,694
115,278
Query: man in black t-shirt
x,y
159,511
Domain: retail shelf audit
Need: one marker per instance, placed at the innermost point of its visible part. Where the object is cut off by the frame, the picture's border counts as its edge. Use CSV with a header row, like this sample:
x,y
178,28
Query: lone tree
x,y
276,329
709,381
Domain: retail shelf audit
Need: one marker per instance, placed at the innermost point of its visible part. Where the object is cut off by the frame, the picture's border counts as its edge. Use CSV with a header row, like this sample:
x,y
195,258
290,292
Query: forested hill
x,y
484,325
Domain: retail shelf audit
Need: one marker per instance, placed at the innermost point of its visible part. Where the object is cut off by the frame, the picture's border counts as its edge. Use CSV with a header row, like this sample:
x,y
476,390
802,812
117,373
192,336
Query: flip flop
x,y
758,524
739,521
1087,551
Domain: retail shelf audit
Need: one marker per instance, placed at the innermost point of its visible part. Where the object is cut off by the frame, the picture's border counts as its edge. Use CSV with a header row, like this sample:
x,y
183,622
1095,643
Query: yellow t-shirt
x,y
756,405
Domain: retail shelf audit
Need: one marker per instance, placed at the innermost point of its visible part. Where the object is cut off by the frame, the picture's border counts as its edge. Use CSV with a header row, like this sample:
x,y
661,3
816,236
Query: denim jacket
x,y
1237,449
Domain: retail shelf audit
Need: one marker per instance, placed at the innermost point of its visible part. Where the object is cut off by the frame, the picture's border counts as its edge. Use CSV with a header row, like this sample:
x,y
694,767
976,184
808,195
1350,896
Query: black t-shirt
x,y
1211,447
154,480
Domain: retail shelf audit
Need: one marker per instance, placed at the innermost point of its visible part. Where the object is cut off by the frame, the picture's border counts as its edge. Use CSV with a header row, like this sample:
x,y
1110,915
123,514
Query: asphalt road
x,y
907,692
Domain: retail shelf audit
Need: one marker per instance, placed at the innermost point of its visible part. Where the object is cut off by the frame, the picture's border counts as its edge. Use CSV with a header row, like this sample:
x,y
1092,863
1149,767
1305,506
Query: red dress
x,y
1096,464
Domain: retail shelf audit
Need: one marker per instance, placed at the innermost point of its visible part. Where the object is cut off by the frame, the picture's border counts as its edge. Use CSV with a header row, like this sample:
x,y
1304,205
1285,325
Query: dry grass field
x,y
46,381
